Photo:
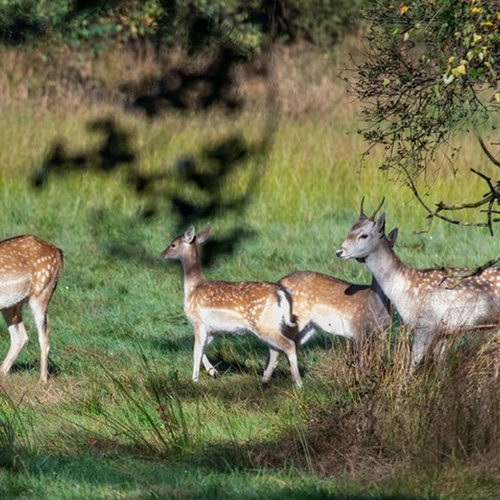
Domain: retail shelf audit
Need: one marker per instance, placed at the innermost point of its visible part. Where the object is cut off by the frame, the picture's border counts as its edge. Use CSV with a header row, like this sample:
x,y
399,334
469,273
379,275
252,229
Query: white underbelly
x,y
13,291
224,320
336,324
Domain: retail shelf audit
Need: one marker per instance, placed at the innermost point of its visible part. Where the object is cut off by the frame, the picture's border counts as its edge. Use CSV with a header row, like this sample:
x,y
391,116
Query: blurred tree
x,y
94,23
431,71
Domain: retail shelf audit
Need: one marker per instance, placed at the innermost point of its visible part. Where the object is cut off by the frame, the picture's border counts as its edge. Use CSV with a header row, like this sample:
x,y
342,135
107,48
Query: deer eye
x,y
363,236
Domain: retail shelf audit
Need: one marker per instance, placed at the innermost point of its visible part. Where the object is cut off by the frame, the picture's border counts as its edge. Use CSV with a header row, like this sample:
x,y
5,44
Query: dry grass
x,y
307,80
444,418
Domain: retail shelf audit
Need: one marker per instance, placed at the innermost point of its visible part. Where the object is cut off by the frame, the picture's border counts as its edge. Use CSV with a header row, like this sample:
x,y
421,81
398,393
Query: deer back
x,y
234,306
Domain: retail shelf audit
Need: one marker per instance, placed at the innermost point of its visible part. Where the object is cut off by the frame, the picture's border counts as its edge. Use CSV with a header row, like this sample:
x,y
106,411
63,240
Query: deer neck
x,y
382,297
388,272
193,274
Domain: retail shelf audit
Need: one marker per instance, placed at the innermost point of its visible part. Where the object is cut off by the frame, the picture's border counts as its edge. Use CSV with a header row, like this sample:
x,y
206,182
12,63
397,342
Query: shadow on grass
x,y
232,356
97,476
32,366
240,361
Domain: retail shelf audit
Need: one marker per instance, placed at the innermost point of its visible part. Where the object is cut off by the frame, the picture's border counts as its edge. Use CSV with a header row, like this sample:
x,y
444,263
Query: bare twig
x,y
486,151
436,213
461,274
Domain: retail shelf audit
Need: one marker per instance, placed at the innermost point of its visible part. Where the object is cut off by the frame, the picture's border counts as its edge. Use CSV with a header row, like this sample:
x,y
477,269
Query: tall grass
x,y
13,433
120,417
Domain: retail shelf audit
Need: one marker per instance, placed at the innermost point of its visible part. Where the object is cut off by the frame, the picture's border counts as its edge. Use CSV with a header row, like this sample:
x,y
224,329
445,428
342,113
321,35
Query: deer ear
x,y
204,234
380,224
188,236
393,236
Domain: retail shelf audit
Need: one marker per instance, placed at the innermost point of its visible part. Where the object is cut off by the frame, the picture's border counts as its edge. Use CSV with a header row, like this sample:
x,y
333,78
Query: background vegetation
x,y
432,71
109,154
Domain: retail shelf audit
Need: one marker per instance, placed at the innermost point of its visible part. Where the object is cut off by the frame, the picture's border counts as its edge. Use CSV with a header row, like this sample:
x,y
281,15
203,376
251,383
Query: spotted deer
x,y
29,272
322,302
212,307
430,301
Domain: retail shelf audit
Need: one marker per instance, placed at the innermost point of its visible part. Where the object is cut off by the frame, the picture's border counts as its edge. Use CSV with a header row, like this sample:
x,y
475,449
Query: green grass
x,y
120,417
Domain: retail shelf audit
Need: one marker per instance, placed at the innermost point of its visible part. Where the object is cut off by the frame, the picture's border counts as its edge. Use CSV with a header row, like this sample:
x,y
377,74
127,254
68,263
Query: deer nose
x,y
340,252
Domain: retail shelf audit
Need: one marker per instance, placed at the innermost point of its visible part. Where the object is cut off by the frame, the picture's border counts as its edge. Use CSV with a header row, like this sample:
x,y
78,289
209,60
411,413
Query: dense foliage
x,y
95,22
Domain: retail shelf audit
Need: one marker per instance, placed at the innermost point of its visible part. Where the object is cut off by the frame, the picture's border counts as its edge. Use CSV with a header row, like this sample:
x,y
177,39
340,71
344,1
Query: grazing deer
x,y
263,308
29,271
338,307
430,301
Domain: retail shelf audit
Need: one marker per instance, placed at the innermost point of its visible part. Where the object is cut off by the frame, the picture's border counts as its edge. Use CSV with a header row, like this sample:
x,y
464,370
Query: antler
x,y
362,214
372,217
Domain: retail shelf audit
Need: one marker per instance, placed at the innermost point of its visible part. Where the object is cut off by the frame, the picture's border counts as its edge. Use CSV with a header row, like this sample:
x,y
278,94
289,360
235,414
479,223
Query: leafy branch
x,y
431,72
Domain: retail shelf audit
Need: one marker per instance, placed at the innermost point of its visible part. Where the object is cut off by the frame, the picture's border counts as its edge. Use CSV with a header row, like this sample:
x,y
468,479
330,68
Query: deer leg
x,y
291,353
272,361
200,340
283,343
39,310
420,344
440,348
209,367
18,336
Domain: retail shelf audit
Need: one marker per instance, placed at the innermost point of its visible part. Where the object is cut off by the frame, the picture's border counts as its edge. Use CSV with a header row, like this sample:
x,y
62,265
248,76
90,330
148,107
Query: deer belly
x,y
333,322
224,320
13,291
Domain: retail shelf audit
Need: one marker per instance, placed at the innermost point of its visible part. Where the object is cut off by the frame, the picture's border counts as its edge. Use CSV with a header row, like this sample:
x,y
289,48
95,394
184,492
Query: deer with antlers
x,y
430,301
262,308
29,272
322,302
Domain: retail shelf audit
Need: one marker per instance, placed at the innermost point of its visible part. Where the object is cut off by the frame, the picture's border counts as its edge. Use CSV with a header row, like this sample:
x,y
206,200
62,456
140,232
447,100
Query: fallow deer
x,y
29,272
262,308
337,306
430,301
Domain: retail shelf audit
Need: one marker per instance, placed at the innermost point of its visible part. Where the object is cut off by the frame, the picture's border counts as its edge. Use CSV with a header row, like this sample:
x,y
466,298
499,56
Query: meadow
x,y
120,418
